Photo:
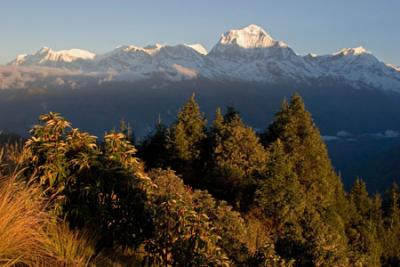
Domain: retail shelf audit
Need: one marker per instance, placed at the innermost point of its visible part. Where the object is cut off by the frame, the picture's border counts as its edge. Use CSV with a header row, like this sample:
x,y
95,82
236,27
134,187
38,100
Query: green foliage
x,y
228,224
300,191
153,149
391,242
267,257
236,146
288,208
188,132
126,129
294,126
90,184
279,193
182,236
363,229
236,155
185,142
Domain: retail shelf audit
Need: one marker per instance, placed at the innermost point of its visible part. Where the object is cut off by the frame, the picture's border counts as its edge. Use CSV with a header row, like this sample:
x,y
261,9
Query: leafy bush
x,y
182,236
98,185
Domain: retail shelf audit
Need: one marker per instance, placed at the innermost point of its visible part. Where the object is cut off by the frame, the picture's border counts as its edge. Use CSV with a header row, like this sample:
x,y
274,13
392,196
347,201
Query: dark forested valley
x,y
354,119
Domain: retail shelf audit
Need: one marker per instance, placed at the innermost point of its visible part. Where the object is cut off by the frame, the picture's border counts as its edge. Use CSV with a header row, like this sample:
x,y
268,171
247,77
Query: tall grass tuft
x,y
69,248
29,236
22,222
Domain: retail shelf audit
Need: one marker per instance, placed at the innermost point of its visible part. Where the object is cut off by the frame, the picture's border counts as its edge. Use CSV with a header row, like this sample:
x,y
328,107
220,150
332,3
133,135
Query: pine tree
x,y
278,190
391,241
127,130
188,132
300,231
305,157
294,126
153,149
324,245
359,197
276,129
363,227
185,141
236,155
394,208
218,122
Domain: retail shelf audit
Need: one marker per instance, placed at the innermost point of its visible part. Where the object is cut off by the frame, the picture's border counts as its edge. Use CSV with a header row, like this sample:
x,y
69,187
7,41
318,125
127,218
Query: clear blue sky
x,y
318,26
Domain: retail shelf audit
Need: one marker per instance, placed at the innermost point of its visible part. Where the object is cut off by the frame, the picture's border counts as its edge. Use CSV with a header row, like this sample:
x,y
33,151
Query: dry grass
x,y
68,248
22,222
29,236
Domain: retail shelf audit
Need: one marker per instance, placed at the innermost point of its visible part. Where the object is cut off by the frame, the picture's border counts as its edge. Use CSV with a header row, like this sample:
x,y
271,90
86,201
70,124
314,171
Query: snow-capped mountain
x,y
247,54
251,54
50,58
132,62
199,48
358,65
251,36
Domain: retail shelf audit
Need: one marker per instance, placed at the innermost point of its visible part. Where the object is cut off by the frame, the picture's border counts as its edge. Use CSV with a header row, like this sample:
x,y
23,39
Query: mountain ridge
x,y
246,54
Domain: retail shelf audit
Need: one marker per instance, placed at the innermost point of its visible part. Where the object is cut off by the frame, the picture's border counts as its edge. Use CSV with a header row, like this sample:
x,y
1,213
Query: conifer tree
x,y
304,159
324,245
294,126
187,133
278,191
127,130
236,155
360,199
153,149
362,231
300,231
394,208
276,129
185,142
391,241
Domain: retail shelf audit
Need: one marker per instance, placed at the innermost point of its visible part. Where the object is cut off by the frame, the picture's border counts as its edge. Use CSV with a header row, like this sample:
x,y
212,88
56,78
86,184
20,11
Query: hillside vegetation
x,y
189,195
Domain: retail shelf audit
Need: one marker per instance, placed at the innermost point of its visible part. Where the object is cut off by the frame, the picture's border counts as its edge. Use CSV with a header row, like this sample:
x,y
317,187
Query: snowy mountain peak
x,y
155,46
251,36
42,50
19,59
129,48
149,49
46,56
74,54
353,51
253,29
199,48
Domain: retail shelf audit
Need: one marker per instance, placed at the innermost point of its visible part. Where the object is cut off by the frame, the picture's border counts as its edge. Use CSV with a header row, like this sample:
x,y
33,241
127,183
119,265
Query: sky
x,y
308,26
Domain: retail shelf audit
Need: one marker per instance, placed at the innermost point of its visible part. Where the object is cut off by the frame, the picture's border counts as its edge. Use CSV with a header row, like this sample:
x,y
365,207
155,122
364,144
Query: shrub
x,y
89,184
